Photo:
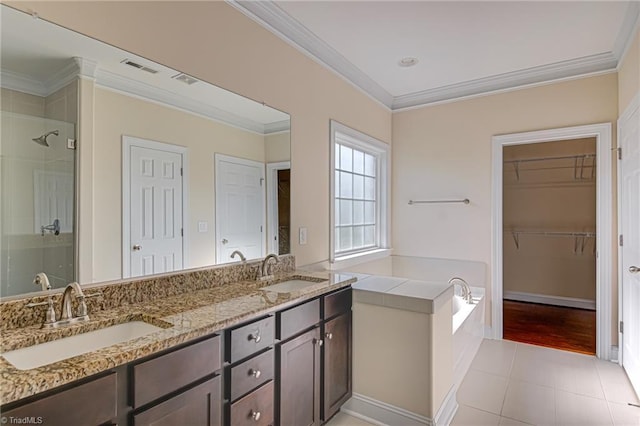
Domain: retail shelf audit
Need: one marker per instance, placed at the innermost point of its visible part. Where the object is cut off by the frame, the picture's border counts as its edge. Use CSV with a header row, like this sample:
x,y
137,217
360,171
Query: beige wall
x,y
117,115
416,380
214,42
444,151
546,196
278,147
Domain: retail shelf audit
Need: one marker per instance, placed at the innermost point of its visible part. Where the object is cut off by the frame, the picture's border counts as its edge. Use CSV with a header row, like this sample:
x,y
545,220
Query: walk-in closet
x,y
549,241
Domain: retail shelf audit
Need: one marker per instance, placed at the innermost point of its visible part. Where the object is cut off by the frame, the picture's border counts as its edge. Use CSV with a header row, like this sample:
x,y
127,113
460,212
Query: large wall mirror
x,y
113,166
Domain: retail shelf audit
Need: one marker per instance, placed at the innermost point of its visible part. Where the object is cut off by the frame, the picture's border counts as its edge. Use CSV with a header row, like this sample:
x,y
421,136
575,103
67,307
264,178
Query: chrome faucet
x,y
67,315
466,290
266,270
239,253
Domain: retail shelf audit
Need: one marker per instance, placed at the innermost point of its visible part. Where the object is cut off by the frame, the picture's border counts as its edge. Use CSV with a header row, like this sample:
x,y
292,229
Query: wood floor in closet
x,y
557,327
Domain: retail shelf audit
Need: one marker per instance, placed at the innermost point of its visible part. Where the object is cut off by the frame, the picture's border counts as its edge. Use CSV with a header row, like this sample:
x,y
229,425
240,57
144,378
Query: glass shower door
x,y
36,202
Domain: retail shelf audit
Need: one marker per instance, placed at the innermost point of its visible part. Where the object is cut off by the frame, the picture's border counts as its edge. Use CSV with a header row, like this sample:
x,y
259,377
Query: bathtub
x,y
468,331
467,319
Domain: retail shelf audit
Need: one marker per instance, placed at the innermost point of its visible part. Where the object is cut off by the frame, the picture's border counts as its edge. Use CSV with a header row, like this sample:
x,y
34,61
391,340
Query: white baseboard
x,y
447,410
614,354
383,414
570,302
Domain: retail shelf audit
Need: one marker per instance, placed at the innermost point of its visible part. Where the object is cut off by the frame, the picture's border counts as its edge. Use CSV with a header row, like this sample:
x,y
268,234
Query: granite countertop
x,y
183,317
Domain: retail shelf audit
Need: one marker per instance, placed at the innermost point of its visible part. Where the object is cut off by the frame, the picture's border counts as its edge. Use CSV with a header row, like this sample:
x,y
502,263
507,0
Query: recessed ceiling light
x,y
407,62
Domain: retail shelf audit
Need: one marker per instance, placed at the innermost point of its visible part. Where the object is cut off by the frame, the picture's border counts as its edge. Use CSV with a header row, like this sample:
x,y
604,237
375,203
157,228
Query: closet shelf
x,y
583,165
580,237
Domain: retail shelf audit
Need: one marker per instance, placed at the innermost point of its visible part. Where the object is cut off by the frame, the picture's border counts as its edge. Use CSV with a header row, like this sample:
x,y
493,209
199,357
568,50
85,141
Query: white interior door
x,y
630,229
240,207
155,238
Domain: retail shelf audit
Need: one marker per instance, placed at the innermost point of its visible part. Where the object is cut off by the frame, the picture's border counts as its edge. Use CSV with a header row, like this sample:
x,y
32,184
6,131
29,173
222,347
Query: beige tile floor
x,y
517,384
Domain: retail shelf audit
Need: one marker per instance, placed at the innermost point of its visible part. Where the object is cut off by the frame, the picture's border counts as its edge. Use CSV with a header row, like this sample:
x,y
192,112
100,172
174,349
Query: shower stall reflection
x,y
36,202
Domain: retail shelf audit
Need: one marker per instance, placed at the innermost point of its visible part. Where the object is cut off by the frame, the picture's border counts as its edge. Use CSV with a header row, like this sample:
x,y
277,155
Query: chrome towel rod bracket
x,y
412,202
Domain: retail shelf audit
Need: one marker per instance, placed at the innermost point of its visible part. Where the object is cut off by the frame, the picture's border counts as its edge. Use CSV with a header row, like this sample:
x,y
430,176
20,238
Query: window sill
x,y
357,258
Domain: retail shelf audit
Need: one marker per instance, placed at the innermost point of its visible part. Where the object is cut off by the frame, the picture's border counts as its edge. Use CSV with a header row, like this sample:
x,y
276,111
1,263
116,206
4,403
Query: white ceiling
x,y
463,48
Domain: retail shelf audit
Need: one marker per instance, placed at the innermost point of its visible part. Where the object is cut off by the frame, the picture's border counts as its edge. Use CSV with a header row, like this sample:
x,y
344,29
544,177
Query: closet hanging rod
x,y
561,157
465,201
554,233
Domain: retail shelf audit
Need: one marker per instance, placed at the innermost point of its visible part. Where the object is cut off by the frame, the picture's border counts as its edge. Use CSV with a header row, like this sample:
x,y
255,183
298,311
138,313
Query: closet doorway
x,y
549,244
529,234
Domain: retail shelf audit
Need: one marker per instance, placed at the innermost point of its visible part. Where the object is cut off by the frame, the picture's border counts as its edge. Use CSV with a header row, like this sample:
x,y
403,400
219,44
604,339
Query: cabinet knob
x,y
255,336
319,342
329,336
255,373
255,415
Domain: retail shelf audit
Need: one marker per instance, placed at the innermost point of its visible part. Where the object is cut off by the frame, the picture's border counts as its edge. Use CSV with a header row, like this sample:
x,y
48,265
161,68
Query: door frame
x,y
217,158
604,215
127,143
272,204
624,117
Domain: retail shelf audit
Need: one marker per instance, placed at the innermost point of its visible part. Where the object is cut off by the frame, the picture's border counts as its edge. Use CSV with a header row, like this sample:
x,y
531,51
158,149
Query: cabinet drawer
x,y
299,318
167,373
255,408
89,404
201,405
251,374
250,338
337,303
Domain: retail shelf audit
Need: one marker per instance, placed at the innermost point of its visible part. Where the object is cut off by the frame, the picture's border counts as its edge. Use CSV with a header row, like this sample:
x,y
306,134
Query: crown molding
x,y
560,70
146,91
277,127
280,23
627,32
76,67
273,18
21,83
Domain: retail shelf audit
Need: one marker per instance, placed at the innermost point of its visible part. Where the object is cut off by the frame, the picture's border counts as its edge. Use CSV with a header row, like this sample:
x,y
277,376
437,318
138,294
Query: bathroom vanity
x,y
233,354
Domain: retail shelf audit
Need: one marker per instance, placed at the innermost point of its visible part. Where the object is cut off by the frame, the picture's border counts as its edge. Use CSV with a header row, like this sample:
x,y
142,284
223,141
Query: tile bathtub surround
x,y
15,313
186,316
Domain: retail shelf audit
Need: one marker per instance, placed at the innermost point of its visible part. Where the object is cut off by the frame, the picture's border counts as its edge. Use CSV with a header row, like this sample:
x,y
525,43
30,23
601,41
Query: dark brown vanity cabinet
x,y
91,403
299,381
182,387
314,377
249,384
337,352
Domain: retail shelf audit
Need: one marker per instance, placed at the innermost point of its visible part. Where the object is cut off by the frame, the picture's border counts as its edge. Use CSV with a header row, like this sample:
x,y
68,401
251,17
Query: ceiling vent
x,y
138,66
187,79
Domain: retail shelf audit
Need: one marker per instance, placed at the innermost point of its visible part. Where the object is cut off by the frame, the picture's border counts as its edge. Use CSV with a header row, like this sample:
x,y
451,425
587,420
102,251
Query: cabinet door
x,y
88,404
337,363
299,394
201,405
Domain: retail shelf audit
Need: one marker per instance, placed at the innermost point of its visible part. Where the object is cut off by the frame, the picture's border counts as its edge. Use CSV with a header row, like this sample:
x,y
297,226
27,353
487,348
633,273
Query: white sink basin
x,y
68,347
289,286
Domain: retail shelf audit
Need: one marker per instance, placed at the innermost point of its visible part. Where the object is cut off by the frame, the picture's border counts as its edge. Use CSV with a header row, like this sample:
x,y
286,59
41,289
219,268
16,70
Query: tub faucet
x,y
466,290
239,253
266,270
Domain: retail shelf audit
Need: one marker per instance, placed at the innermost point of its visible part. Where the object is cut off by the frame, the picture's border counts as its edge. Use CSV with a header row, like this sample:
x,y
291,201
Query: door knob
x,y
137,247
225,241
634,269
